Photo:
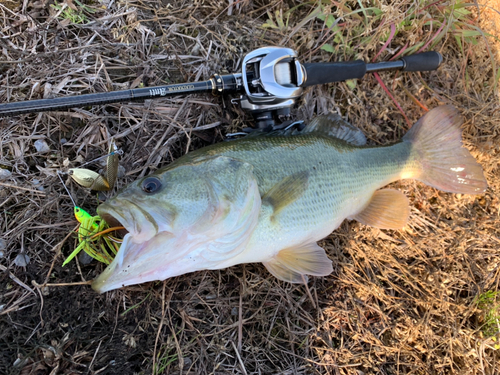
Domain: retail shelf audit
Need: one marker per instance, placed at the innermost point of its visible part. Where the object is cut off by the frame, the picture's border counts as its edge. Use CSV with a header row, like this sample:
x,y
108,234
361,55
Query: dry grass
x,y
398,302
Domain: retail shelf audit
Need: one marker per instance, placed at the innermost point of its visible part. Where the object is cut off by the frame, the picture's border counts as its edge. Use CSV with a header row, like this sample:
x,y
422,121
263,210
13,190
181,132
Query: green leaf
x,y
330,21
328,48
459,42
467,33
270,23
351,83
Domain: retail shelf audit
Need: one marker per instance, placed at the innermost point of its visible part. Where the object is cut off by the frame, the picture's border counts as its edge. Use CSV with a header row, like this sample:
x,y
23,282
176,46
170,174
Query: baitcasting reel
x,y
272,79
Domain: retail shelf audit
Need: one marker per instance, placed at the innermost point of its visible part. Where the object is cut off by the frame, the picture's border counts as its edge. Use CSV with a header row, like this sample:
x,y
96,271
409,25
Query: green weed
x,y
136,305
278,21
166,357
352,27
75,14
352,30
487,302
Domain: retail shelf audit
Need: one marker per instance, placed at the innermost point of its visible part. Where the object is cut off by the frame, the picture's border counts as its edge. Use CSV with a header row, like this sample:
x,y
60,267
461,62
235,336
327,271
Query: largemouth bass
x,y
270,198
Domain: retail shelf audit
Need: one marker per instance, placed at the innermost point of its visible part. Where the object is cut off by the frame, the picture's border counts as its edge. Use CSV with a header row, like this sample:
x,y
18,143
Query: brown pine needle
x,y
61,284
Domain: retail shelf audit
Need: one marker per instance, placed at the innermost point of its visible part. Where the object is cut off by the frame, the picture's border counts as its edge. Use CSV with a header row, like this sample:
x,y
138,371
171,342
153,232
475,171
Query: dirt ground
x,y
421,300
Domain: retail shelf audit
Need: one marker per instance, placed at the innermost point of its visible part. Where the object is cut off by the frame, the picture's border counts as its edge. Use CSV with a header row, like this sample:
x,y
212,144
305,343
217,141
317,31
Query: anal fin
x,y
388,209
293,264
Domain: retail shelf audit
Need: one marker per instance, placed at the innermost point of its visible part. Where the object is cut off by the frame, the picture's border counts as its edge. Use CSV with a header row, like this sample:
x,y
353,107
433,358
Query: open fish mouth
x,y
139,229
155,249
113,222
139,223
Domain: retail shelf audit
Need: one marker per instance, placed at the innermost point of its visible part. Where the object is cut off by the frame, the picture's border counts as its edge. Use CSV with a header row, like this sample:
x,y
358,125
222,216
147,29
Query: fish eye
x,y
151,185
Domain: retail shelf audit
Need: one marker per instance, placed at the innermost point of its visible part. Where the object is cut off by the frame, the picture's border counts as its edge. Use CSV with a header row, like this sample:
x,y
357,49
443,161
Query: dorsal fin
x,y
333,125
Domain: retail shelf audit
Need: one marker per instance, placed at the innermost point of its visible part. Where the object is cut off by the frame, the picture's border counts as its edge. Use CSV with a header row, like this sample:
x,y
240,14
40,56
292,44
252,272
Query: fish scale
x,y
339,172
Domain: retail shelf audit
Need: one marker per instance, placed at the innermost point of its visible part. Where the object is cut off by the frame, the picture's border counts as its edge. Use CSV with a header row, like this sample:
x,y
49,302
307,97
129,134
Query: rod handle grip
x,y
320,73
422,62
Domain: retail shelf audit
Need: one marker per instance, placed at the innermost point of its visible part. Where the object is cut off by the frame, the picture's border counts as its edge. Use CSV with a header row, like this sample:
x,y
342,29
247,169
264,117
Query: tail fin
x,y
446,165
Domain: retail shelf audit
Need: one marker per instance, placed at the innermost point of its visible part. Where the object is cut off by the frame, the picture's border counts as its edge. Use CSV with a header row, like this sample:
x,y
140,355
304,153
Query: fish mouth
x,y
113,222
139,228
139,223
137,258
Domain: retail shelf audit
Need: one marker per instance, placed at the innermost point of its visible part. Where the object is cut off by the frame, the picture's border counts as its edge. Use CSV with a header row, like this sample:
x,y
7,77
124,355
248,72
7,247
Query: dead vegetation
x,y
417,301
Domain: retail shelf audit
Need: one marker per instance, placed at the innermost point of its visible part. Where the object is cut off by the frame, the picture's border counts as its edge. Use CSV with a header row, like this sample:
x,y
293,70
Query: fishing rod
x,y
270,83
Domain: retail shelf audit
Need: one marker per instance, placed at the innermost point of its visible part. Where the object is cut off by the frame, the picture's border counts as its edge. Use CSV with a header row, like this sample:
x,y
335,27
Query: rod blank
x,y
86,100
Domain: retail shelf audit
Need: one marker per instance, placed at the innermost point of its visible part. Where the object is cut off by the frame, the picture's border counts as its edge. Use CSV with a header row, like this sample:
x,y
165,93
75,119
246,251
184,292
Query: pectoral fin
x,y
388,209
286,191
294,263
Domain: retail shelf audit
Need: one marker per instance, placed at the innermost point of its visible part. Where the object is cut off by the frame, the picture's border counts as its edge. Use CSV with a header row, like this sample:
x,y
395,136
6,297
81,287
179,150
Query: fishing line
x,y
117,152
65,187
